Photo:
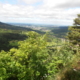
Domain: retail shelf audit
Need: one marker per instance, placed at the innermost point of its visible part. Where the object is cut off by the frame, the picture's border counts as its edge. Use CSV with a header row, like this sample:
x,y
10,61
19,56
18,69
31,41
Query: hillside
x,y
60,31
57,31
19,28
10,35
8,26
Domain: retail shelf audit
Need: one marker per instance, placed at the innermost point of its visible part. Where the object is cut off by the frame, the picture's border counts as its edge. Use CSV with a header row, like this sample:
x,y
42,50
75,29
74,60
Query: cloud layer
x,y
40,11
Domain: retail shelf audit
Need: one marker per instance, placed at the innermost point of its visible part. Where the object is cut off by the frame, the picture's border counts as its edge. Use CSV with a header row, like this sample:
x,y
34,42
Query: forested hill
x,y
12,27
8,26
60,31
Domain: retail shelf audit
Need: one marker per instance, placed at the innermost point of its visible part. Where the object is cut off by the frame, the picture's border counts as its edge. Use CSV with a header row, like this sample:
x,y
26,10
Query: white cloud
x,y
51,11
70,4
61,3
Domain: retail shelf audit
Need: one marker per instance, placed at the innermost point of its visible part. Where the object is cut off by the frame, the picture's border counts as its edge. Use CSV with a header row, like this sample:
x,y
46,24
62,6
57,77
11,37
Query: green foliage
x,y
34,59
30,61
60,32
74,34
71,64
9,39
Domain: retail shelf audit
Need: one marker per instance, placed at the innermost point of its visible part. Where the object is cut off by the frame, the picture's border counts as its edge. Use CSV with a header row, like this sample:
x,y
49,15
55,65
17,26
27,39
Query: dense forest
x,y
27,54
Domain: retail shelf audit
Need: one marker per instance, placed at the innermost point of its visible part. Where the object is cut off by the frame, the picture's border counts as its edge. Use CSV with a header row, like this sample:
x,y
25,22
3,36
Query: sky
x,y
56,12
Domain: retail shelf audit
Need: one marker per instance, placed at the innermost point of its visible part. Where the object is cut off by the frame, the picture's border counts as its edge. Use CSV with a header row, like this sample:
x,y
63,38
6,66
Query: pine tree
x,y
74,32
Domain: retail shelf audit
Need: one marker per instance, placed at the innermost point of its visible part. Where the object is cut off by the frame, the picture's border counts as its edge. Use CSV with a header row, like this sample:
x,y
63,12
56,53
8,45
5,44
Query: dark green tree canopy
x,y
74,33
77,20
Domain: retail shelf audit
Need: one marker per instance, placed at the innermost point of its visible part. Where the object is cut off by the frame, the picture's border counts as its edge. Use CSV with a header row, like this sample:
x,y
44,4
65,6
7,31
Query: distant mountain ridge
x,y
41,25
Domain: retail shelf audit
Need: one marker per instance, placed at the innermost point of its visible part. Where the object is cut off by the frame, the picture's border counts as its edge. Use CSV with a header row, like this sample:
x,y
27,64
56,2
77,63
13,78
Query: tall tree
x,y
74,32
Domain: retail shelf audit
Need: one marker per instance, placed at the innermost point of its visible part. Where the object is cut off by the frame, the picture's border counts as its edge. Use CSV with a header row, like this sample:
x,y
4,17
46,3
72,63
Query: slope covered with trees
x,y
60,32
17,28
10,35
